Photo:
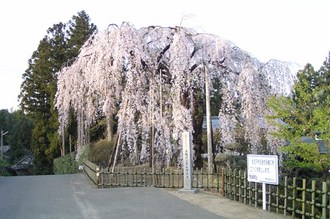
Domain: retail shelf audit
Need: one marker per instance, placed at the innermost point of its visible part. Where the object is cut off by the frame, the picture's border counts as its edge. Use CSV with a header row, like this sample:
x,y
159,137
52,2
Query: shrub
x,y
65,164
100,152
5,169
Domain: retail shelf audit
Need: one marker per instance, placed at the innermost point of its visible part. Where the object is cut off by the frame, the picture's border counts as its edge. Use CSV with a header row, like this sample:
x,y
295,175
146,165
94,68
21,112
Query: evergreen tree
x,y
36,101
39,85
79,30
301,118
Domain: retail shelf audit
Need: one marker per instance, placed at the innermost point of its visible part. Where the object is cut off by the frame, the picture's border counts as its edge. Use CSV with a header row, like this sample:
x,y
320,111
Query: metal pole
x,y
264,199
1,144
152,133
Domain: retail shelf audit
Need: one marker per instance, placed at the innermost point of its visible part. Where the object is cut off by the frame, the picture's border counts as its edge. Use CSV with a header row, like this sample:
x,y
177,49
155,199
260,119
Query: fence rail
x,y
92,171
299,198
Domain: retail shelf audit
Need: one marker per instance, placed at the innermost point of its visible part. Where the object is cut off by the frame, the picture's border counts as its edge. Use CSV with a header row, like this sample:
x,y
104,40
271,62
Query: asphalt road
x,y
72,196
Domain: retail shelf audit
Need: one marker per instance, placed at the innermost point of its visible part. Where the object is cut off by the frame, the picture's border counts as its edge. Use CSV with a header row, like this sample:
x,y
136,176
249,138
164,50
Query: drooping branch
x,y
124,65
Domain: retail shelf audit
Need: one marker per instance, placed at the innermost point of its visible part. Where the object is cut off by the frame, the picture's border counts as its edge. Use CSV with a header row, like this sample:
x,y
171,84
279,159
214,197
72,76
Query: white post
x,y
187,162
1,144
264,200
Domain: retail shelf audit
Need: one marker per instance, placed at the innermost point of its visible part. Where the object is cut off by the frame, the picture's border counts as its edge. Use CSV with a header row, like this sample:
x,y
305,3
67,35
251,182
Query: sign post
x,y
263,169
187,163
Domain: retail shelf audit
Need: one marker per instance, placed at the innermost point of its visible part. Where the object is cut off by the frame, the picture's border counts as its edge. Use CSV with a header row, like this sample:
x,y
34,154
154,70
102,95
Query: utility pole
x,y
2,134
208,122
152,131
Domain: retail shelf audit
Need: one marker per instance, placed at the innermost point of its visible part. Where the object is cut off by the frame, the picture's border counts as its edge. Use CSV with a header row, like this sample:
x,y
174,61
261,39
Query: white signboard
x,y
262,168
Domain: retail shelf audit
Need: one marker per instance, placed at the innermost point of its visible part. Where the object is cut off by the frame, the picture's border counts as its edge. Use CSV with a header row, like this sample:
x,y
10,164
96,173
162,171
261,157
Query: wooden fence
x,y
92,171
143,176
299,198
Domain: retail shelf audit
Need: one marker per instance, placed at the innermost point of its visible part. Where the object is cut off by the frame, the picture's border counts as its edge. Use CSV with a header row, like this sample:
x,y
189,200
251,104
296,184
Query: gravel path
x,y
224,207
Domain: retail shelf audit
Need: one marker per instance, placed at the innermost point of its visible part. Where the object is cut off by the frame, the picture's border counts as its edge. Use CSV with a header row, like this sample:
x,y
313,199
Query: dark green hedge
x,y
65,164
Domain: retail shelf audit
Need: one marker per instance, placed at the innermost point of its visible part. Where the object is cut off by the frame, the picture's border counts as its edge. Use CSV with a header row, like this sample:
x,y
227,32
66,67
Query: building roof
x,y
5,148
214,120
323,145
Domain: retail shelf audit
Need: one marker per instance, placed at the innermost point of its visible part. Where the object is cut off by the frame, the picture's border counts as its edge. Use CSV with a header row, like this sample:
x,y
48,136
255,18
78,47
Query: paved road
x,y
71,196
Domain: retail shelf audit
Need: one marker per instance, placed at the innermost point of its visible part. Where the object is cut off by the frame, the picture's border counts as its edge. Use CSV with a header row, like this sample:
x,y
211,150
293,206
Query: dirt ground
x,y
224,207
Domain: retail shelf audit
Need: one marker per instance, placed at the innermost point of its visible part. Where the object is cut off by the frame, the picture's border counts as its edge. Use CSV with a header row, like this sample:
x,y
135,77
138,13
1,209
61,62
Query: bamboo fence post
x,y
277,198
313,199
143,174
255,195
97,175
212,179
102,177
218,181
110,177
293,198
234,184
285,195
303,199
244,182
239,187
269,197
202,178
223,181
207,179
250,193
163,178
324,200
126,177
229,184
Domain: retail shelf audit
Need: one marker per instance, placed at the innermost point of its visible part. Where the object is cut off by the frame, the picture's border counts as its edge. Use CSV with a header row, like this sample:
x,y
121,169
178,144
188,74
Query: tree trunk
x,y
110,129
197,117
63,142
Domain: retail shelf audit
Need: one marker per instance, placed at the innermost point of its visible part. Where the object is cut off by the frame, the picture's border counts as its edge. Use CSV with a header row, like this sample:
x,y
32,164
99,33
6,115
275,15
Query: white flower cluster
x,y
146,78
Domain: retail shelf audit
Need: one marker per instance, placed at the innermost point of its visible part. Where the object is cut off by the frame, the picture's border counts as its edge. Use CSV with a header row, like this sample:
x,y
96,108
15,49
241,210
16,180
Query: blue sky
x,y
289,30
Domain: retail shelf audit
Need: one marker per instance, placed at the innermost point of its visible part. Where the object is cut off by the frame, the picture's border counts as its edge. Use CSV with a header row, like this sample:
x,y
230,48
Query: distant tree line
x,y
19,129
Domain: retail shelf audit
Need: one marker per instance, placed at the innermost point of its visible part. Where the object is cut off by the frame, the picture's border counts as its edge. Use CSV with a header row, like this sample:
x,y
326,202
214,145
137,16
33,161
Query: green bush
x,y
65,164
5,169
100,152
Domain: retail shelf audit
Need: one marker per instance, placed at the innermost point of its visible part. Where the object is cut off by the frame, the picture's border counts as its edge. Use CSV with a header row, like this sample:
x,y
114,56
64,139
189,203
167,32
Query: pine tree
x,y
39,86
79,30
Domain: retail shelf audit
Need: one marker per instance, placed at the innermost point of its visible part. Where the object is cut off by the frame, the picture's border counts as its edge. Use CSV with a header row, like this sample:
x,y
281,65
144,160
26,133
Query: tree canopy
x,y
59,47
19,130
305,116
151,80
